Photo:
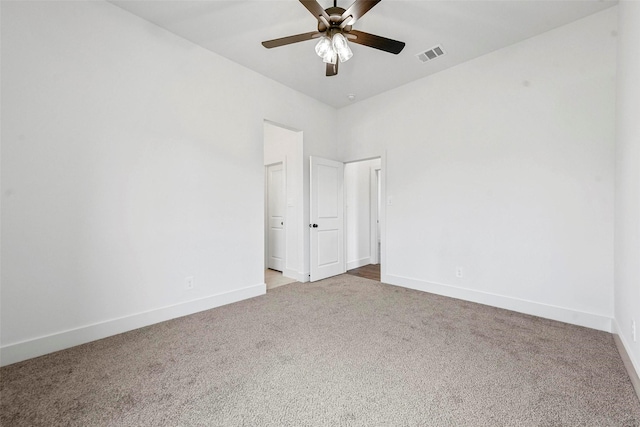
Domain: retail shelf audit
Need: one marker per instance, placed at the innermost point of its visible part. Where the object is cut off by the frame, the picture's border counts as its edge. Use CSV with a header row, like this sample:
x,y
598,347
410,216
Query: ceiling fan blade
x,y
357,9
314,7
289,40
332,69
376,42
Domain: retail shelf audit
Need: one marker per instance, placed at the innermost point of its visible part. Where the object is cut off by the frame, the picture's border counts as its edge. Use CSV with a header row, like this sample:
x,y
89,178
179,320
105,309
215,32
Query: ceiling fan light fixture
x,y
330,58
341,47
324,49
333,23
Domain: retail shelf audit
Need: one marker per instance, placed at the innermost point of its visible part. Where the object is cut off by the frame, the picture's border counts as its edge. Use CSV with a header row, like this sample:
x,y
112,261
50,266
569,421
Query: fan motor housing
x,y
335,19
335,13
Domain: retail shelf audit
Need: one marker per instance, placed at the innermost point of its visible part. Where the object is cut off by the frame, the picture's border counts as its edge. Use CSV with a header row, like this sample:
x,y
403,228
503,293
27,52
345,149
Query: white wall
x,y
286,146
120,140
358,203
131,159
503,166
627,222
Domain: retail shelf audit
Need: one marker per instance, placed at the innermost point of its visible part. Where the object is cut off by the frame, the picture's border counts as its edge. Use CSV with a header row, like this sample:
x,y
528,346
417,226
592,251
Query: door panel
x,y
327,247
327,218
327,194
275,215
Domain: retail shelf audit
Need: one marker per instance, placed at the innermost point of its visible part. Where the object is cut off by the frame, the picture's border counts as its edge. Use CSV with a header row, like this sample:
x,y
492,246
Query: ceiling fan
x,y
335,27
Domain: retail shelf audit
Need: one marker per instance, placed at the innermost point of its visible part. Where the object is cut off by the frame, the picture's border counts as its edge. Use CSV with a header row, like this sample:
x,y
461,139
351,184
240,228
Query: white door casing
x,y
276,242
327,218
375,215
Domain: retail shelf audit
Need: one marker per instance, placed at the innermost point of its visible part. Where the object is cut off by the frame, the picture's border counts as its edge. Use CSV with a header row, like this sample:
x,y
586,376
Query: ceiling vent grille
x,y
431,54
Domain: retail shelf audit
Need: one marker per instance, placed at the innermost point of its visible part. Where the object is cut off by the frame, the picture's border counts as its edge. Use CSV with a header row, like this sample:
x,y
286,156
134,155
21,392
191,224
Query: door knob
x,y
313,225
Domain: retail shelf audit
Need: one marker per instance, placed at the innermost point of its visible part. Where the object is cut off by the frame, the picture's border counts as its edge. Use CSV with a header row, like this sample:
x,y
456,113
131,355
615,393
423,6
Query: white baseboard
x,y
306,277
24,350
292,274
562,314
358,263
632,366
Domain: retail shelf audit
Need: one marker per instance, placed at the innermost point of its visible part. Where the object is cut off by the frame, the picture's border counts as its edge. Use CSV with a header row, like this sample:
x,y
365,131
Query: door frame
x,y
374,195
283,143
385,201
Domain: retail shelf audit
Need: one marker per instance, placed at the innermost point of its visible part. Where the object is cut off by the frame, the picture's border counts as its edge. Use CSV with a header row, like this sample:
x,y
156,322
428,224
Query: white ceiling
x,y
465,29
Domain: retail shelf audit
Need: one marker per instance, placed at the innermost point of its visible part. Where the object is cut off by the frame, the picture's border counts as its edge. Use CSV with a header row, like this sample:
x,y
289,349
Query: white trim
x,y
28,349
562,314
373,213
384,171
632,366
292,274
358,263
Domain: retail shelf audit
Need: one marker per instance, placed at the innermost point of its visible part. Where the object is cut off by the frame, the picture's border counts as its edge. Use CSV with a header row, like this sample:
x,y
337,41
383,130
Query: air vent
x,y
430,54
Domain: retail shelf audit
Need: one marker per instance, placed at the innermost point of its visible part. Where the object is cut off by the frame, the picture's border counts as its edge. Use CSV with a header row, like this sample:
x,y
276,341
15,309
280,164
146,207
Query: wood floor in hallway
x,y
371,271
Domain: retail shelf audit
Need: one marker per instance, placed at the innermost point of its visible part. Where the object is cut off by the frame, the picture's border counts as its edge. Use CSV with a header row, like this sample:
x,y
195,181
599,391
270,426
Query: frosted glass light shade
x,y
324,50
331,57
341,47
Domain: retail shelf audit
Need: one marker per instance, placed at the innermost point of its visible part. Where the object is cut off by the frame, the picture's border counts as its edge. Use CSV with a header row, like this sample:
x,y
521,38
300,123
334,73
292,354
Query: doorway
x,y
283,207
363,193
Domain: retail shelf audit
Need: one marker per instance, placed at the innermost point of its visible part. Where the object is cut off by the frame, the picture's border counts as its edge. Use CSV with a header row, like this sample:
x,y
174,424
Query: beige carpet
x,y
346,351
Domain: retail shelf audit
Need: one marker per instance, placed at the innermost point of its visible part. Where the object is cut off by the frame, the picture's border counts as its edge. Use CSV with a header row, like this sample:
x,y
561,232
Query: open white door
x,y
327,218
275,217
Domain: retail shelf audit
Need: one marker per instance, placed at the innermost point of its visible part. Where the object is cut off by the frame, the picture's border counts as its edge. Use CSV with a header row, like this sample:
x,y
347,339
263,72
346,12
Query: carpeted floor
x,y
345,351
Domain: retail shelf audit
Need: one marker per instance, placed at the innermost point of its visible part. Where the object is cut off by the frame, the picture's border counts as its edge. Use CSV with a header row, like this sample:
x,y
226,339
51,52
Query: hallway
x,y
371,271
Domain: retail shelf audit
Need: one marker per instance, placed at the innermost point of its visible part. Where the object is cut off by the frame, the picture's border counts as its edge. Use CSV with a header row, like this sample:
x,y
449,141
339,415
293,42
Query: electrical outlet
x,y
459,272
188,282
633,330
